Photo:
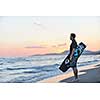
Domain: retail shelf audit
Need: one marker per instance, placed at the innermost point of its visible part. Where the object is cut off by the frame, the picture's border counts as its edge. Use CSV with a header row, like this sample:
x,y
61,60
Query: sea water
x,y
35,68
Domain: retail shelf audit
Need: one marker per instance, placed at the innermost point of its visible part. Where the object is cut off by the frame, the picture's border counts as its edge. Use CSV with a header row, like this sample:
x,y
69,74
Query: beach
x,y
87,74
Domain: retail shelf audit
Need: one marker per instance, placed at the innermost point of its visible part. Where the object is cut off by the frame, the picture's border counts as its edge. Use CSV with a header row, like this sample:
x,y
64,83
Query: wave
x,y
28,69
88,62
34,67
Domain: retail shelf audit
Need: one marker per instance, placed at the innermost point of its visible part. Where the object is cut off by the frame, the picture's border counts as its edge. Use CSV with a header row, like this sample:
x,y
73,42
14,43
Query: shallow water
x,y
36,68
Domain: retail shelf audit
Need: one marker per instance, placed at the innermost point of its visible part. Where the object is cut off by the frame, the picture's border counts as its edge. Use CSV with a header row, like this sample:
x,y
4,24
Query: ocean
x,y
32,69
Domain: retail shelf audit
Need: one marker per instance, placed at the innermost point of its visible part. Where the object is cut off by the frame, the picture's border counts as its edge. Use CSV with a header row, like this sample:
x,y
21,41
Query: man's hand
x,y
70,58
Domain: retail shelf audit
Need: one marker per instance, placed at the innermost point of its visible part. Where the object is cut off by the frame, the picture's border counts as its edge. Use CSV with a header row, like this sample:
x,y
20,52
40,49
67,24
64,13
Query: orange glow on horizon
x,y
18,50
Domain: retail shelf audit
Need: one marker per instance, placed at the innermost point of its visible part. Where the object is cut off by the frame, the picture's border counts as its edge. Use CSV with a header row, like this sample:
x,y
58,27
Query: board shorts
x,y
73,63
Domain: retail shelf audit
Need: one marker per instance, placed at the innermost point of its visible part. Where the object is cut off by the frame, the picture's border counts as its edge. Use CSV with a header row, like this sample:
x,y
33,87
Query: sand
x,y
87,74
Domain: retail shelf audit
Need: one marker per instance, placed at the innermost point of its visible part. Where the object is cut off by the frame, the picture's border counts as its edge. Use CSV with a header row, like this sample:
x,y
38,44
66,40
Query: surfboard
x,y
66,64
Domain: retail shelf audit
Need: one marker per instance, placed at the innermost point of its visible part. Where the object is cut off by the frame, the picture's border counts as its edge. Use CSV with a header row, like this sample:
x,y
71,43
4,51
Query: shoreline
x,y
87,74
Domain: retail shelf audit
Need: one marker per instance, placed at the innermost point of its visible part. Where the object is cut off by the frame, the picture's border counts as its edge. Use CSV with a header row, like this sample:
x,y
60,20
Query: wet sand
x,y
87,74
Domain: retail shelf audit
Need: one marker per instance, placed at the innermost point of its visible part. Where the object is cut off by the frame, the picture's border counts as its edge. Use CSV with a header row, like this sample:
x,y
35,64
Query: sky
x,y
29,35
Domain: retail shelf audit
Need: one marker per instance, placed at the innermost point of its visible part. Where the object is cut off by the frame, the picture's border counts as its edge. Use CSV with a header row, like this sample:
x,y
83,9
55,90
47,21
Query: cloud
x,y
38,24
54,46
64,44
35,23
35,46
59,45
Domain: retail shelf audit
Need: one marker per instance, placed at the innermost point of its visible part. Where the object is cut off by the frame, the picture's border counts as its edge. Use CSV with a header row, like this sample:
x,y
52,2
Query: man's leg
x,y
75,71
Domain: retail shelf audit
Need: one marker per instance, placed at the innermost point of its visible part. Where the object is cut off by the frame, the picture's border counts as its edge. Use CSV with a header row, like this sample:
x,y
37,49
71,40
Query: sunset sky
x,y
22,36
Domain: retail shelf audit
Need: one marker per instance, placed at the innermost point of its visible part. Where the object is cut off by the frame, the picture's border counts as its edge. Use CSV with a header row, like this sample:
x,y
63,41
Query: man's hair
x,y
73,35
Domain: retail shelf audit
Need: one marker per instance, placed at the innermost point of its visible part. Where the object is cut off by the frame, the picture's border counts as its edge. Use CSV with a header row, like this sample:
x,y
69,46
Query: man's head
x,y
72,36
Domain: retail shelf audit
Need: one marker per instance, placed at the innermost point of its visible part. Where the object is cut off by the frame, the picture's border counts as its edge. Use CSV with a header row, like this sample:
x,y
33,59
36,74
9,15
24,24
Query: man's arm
x,y
72,53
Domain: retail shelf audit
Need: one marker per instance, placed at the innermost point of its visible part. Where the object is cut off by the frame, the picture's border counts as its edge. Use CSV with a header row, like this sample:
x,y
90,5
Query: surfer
x,y
74,54
73,46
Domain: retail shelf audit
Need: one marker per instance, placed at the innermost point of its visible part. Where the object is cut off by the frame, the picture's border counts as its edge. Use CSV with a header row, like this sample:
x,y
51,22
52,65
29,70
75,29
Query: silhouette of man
x,y
73,46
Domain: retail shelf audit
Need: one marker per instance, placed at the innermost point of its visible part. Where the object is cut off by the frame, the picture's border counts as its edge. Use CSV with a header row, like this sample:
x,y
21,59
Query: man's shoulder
x,y
74,44
74,41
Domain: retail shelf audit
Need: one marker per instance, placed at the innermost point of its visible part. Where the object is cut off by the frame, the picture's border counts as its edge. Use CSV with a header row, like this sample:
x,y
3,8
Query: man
x,y
73,46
